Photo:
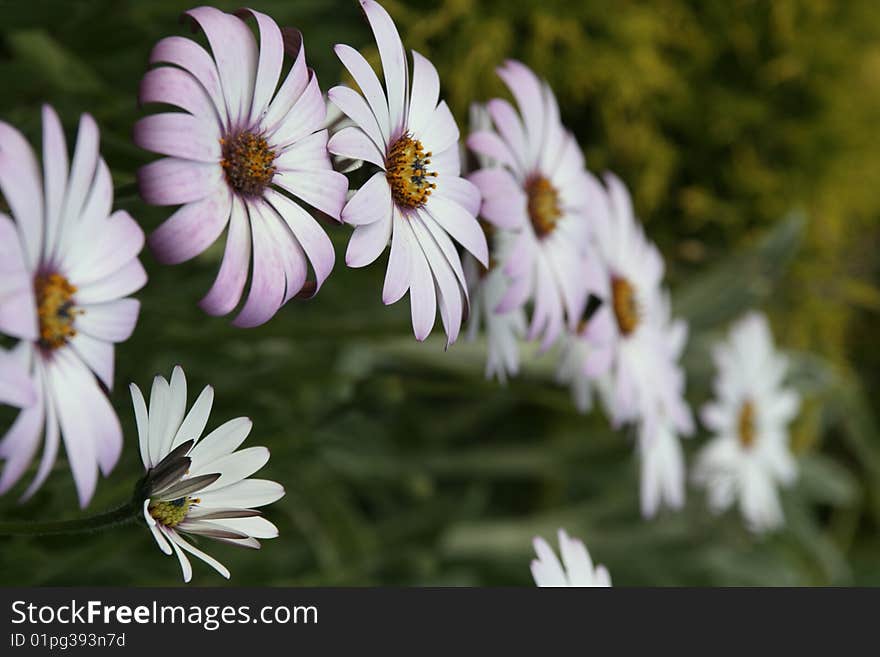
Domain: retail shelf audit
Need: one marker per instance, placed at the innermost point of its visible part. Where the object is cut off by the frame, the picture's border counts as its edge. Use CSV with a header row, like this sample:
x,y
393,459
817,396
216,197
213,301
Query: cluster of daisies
x,y
542,249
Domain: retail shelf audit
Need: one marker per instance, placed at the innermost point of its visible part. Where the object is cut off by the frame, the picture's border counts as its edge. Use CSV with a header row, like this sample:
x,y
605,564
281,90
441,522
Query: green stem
x,y
118,516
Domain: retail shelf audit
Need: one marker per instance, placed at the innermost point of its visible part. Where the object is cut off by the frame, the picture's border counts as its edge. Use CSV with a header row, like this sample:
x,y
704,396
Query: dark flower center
x,y
746,424
248,163
544,209
55,310
406,169
171,513
625,304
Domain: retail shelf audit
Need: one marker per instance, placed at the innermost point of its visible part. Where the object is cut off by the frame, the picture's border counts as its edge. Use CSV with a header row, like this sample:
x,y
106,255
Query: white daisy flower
x,y
67,266
750,453
417,200
630,321
576,568
199,486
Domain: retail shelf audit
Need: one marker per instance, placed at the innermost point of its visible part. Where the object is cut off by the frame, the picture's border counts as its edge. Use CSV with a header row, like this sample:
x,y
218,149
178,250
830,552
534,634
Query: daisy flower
x,y
199,486
68,265
664,421
630,322
576,568
749,454
239,153
539,189
417,200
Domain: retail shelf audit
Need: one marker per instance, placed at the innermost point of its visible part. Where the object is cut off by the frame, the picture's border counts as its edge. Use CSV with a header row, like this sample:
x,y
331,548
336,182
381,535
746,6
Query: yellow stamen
x,y
625,304
171,513
55,310
406,169
544,210
248,162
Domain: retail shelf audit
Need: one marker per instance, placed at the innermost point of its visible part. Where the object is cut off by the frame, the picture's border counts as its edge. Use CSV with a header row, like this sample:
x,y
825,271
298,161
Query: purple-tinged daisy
x,y
68,265
540,189
199,486
417,200
238,155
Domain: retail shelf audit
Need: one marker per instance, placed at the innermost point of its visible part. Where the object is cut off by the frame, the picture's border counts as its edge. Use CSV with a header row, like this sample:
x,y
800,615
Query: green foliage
x,y
402,465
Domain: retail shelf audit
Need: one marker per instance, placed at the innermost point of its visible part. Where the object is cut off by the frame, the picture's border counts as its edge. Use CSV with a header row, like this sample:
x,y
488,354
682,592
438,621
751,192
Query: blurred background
x,y
748,133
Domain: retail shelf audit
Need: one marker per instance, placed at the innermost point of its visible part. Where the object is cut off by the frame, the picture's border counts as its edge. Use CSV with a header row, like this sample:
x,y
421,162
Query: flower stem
x,y
118,516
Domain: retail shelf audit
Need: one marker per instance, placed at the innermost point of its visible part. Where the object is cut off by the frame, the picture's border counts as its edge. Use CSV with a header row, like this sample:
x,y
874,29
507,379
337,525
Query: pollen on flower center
x,y
171,513
55,310
544,210
625,304
248,162
746,424
406,169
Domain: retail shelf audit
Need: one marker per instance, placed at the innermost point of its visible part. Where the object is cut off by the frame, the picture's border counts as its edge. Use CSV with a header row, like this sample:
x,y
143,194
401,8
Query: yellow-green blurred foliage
x,y
720,115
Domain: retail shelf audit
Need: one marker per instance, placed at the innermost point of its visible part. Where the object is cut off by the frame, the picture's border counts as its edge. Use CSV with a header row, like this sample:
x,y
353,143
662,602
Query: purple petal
x,y
368,83
397,276
55,175
172,181
271,58
490,145
91,258
526,89
424,95
324,190
393,59
268,281
169,85
354,143
235,53
22,189
127,280
510,128
305,117
229,284
19,445
441,131
192,228
422,296
370,203
16,386
191,57
113,321
308,233
179,135
291,89
461,225
367,242
97,354
355,107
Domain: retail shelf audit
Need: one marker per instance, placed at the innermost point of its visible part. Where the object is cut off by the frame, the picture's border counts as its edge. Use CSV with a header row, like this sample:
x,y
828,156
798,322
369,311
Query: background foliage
x,y
402,465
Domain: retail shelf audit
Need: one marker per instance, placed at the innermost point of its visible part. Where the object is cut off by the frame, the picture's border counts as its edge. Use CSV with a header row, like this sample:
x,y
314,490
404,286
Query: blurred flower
x,y
631,342
541,190
750,452
665,418
16,387
66,273
417,199
576,568
237,154
198,485
503,330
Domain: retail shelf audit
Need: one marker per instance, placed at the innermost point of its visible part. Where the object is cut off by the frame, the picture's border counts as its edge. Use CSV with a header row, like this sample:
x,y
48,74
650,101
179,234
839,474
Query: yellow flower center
x,y
625,304
544,209
406,169
746,424
172,513
248,163
55,310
